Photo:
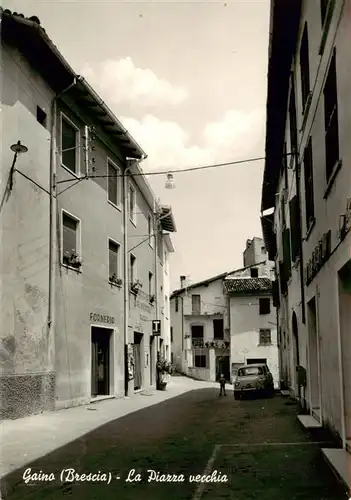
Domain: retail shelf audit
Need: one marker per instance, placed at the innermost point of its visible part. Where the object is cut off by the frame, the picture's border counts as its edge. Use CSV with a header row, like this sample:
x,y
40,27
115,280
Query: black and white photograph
x,y
175,249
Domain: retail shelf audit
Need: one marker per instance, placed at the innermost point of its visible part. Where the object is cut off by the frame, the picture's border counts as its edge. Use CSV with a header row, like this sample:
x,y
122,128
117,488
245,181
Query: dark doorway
x,y
138,380
223,366
296,349
152,360
100,361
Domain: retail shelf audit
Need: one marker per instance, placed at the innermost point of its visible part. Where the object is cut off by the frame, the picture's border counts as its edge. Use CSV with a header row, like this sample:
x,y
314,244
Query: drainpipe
x,y
52,213
298,198
125,277
156,287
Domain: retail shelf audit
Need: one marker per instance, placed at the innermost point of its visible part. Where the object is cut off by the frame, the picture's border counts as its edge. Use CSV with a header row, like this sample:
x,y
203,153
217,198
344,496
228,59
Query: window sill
x,y
117,207
114,285
77,270
311,225
332,178
76,175
265,345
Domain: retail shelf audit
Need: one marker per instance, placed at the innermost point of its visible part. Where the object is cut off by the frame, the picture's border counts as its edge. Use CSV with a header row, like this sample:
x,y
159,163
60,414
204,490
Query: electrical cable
x,y
165,172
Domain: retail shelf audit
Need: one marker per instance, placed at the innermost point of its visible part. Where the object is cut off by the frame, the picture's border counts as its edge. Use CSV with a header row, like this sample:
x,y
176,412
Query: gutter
x,y
41,32
107,110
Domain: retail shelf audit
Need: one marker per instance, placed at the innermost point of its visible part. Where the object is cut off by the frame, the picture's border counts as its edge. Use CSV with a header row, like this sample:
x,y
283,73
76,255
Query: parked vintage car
x,y
255,378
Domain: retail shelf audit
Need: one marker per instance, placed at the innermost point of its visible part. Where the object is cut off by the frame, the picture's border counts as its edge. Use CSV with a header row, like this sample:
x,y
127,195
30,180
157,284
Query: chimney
x,y
182,281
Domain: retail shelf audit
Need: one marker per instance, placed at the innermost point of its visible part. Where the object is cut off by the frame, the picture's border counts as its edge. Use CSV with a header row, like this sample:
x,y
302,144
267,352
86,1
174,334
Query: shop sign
x,y
102,318
319,257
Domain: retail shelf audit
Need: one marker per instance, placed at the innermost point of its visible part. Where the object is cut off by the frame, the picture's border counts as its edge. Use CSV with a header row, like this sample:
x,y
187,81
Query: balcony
x,y
199,343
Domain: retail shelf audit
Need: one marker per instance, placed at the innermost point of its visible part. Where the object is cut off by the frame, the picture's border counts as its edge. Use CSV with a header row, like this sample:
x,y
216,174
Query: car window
x,y
250,370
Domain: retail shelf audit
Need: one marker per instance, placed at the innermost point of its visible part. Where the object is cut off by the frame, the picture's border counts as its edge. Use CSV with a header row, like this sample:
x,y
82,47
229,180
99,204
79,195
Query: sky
x,y
188,80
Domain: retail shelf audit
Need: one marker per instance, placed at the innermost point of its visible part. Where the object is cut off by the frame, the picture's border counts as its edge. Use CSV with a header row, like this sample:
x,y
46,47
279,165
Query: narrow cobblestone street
x,y
257,444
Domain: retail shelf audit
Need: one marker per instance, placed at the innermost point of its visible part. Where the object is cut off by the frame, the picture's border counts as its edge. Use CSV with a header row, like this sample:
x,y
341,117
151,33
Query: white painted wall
x,y
245,323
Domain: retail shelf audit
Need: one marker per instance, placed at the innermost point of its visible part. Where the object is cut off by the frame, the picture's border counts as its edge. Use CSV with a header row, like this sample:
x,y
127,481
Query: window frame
x,y
132,267
203,356
262,332
305,78
261,301
216,321
151,287
331,170
309,185
78,173
150,230
115,166
132,216
118,260
193,312
78,238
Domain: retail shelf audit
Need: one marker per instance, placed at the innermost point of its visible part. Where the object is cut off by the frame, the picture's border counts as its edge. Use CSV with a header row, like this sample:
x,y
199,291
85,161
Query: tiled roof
x,y
208,281
247,285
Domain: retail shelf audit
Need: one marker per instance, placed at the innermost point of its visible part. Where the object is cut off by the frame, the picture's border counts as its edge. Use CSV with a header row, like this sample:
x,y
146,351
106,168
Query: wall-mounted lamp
x,y
170,184
18,148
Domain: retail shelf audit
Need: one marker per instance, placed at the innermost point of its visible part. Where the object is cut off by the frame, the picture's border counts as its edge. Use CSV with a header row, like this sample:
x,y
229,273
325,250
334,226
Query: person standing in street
x,y
222,385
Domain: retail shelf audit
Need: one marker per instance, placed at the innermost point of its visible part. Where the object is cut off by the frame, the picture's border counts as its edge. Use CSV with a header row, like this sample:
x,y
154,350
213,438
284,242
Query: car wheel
x,y
236,395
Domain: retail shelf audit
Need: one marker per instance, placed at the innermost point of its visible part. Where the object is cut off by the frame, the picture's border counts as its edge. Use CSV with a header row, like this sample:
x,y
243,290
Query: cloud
x,y
234,137
121,81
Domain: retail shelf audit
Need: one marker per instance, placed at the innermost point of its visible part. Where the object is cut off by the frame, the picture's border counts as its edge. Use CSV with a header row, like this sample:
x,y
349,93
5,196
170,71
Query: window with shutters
x,y
292,118
287,252
327,9
132,204
114,184
324,6
113,261
294,228
283,278
331,119
308,176
196,304
304,68
69,145
176,304
70,237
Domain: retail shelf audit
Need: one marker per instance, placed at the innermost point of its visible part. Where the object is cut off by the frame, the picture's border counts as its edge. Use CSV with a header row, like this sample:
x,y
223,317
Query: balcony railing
x,y
197,342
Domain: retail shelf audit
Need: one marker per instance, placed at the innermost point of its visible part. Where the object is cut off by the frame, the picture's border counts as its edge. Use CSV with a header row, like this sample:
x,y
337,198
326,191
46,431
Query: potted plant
x,y
226,343
72,259
115,280
207,344
164,372
213,344
135,286
152,298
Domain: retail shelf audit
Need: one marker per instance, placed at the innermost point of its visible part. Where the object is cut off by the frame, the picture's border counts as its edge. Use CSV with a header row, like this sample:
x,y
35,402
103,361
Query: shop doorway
x,y
296,352
152,368
314,364
100,361
345,340
138,360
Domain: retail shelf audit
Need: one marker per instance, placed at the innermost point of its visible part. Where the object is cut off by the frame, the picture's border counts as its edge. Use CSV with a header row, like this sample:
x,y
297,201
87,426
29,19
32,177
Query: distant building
x,y
225,320
253,322
201,336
